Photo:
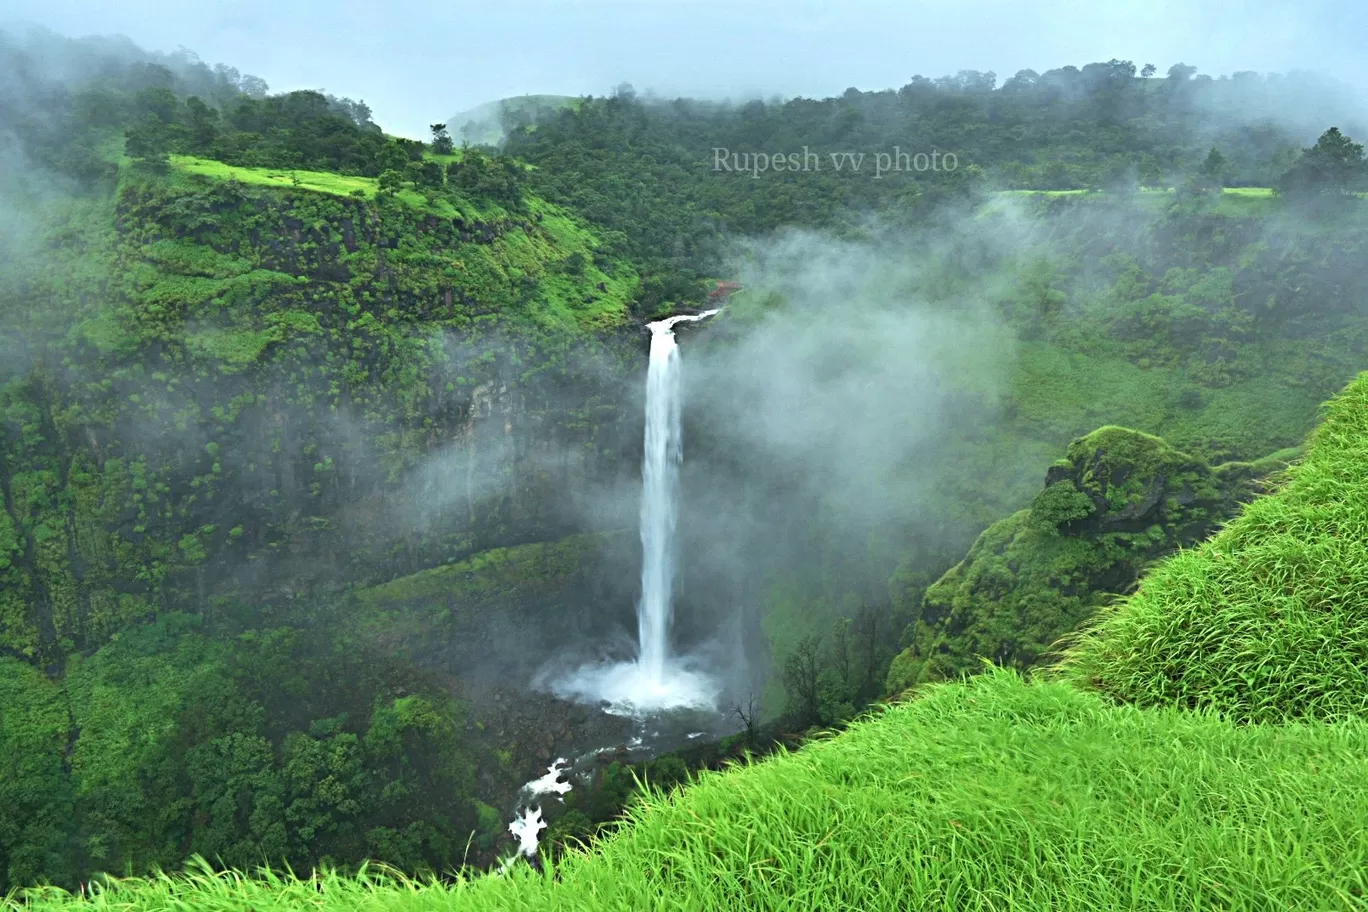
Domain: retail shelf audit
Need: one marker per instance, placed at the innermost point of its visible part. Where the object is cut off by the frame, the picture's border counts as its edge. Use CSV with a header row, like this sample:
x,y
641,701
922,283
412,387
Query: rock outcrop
x,y
1118,500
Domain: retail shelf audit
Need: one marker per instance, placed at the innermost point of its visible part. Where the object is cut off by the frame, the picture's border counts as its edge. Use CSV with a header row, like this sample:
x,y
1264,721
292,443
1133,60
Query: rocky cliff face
x,y
259,394
1119,500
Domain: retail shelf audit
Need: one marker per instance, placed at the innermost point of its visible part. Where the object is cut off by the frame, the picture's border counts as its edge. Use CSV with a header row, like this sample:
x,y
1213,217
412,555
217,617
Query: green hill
x,y
228,386
244,309
1118,500
1267,621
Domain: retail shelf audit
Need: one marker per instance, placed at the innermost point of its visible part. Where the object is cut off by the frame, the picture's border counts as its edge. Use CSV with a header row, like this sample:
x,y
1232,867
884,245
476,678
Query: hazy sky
x,y
416,61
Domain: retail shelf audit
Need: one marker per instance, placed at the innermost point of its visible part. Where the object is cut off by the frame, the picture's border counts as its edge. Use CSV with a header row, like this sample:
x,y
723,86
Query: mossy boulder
x,y
1118,500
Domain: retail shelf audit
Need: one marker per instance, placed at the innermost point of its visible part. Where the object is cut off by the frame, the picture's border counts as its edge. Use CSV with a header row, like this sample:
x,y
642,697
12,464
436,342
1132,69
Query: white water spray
x,y
528,824
657,680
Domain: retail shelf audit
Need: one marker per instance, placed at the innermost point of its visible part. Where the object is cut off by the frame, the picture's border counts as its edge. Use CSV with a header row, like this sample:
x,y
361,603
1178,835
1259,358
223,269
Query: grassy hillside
x,y
558,237
996,793
984,796
1268,620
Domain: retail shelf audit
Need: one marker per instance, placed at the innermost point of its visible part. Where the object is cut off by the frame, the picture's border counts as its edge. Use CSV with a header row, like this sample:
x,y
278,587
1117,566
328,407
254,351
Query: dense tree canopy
x,y
1334,166
674,178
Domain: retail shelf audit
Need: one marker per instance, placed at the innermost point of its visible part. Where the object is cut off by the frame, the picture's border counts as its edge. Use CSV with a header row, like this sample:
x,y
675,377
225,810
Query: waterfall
x,y
657,680
660,496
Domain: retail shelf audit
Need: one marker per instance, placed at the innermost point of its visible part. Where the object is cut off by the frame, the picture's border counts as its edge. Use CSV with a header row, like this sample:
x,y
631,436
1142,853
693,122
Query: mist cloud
x,y
846,385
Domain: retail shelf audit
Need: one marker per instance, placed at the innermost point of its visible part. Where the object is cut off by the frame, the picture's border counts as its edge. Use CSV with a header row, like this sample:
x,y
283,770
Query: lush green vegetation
x,y
294,417
970,797
159,106
217,292
1264,622
1182,322
284,743
217,383
206,336
651,170
1118,500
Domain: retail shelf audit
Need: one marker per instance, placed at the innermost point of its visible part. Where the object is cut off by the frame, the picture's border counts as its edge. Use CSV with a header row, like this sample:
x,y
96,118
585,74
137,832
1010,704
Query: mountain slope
x,y
1116,502
234,395
245,368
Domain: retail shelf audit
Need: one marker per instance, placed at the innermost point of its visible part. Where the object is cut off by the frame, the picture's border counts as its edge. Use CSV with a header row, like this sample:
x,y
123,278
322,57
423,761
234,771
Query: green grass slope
x,y
551,237
1269,619
990,795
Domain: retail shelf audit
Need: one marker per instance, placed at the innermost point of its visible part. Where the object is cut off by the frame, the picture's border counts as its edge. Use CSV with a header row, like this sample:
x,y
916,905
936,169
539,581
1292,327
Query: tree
x,y
802,671
1148,70
873,645
1024,80
253,87
148,144
747,713
157,102
1333,167
441,139
835,701
1211,173
203,124
1206,181
424,174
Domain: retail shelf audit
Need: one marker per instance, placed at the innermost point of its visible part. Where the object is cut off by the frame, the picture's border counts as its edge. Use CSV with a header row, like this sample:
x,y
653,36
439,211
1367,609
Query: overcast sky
x,y
415,62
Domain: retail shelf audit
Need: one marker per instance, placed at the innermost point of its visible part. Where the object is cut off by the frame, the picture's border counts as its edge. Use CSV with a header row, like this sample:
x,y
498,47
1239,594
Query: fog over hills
x,y
419,57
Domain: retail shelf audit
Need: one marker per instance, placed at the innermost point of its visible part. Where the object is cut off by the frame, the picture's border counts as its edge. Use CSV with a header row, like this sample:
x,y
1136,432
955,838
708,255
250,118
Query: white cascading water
x,y
528,823
660,497
657,680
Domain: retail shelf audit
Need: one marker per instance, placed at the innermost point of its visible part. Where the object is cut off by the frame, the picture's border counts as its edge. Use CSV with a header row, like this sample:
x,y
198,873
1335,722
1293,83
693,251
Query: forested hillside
x,y
678,178
226,397
318,446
